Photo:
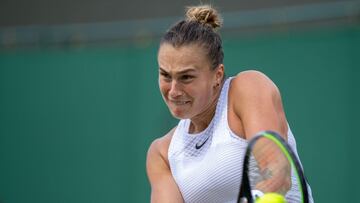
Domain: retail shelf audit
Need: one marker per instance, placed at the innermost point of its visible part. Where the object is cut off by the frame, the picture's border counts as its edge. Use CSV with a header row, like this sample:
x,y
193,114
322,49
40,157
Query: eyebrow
x,y
180,72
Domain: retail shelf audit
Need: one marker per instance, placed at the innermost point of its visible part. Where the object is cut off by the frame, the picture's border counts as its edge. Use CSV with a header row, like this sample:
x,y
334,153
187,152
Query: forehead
x,y
194,56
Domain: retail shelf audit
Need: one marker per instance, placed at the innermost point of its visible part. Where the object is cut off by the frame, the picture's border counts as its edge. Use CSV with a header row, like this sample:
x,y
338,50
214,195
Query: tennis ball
x,y
271,198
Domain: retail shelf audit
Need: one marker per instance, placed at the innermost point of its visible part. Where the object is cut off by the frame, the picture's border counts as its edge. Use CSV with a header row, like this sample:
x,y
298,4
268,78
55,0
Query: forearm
x,y
275,178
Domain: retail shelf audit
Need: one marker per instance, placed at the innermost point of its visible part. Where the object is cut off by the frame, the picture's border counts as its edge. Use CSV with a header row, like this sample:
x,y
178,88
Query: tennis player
x,y
200,159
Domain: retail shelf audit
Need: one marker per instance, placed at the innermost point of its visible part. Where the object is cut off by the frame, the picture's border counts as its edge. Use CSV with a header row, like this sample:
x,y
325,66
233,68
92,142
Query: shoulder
x,y
256,101
252,80
253,85
159,147
163,185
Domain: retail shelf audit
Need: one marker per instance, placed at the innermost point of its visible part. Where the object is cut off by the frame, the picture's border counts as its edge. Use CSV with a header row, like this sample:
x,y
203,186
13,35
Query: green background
x,y
76,121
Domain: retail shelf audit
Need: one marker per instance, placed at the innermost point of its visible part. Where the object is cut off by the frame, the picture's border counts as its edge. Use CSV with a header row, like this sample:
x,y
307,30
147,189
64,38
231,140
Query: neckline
x,y
217,110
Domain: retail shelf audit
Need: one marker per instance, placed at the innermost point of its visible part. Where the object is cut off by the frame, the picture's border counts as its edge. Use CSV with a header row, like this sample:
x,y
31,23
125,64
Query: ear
x,y
219,74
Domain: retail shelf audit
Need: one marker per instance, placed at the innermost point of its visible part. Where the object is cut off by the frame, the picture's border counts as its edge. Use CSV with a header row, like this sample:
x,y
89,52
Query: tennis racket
x,y
271,167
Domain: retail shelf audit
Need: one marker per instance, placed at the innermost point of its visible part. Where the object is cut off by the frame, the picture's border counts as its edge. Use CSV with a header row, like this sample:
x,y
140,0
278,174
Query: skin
x,y
190,89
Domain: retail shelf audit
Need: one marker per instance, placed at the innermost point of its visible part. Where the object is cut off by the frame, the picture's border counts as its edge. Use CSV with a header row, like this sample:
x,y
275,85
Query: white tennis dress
x,y
207,166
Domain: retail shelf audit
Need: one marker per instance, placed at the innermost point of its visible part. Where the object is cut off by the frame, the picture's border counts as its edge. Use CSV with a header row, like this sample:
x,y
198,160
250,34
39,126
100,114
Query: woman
x,y
199,159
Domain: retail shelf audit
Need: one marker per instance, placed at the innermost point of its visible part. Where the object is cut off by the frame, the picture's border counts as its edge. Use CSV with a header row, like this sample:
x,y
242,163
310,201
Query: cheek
x,y
164,87
204,94
205,97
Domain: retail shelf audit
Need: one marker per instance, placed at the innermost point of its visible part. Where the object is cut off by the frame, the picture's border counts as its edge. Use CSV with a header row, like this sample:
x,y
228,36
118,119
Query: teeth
x,y
180,102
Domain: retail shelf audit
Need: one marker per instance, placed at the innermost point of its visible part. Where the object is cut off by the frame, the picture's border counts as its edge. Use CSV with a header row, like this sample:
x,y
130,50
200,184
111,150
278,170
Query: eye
x,y
166,76
187,78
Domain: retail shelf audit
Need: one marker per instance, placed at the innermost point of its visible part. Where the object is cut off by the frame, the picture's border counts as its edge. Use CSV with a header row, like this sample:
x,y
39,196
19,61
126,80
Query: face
x,y
187,83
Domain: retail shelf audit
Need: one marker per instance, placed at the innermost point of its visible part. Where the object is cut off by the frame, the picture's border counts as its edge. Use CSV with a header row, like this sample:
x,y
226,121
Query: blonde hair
x,y
204,14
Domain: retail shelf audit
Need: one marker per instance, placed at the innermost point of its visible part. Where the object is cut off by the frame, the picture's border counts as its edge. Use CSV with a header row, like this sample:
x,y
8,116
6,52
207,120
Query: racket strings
x,y
269,168
272,167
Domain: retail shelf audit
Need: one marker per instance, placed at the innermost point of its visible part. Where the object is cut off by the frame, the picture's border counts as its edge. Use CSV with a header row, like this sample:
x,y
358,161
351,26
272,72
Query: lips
x,y
179,102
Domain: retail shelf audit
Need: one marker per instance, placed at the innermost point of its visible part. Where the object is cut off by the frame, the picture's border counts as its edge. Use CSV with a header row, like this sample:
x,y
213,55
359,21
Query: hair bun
x,y
205,15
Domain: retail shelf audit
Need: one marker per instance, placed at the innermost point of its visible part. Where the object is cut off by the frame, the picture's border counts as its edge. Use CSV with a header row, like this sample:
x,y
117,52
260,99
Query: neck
x,y
201,121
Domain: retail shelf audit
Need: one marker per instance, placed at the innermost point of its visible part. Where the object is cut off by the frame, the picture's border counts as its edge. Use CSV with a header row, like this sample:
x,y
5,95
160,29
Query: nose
x,y
175,89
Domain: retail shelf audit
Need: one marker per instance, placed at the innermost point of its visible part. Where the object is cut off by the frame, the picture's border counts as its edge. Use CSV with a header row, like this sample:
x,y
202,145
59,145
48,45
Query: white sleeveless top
x,y
207,166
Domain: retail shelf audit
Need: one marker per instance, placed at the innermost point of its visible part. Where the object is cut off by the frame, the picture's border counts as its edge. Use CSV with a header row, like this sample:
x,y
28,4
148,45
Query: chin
x,y
179,115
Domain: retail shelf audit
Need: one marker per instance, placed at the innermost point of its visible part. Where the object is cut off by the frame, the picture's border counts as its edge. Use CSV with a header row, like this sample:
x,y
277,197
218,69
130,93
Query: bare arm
x,y
163,186
259,107
258,104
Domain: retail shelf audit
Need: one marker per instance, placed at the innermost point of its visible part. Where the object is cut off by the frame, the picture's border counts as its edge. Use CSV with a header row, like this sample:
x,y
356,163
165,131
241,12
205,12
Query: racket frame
x,y
245,189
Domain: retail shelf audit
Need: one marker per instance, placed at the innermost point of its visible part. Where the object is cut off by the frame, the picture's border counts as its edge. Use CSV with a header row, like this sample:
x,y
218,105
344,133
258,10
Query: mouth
x,y
179,102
